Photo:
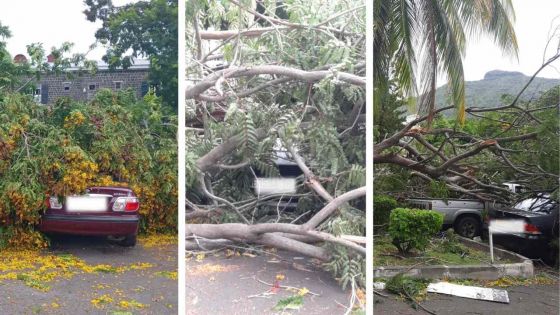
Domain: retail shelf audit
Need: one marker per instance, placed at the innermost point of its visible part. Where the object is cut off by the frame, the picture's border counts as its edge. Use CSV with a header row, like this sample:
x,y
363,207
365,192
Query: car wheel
x,y
128,241
468,227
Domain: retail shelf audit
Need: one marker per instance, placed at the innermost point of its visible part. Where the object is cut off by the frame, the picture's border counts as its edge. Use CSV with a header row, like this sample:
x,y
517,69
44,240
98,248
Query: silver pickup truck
x,y
464,215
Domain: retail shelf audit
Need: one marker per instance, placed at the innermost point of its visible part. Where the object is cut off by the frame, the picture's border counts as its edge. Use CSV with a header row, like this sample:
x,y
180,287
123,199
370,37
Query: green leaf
x,y
294,302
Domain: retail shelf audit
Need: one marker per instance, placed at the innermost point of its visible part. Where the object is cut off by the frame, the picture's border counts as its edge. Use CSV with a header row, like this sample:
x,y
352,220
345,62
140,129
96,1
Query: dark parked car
x,y
102,211
541,217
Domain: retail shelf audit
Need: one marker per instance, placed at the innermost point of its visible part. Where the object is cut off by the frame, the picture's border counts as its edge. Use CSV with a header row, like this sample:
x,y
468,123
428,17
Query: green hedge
x,y
382,206
412,228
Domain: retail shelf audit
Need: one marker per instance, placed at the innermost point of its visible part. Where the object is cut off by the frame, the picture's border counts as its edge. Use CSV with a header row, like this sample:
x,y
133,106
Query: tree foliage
x,y
21,77
525,152
61,150
141,29
283,84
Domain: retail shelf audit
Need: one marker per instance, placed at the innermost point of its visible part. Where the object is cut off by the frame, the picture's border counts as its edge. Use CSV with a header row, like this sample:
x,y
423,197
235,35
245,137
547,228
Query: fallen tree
x,y
273,98
514,142
276,234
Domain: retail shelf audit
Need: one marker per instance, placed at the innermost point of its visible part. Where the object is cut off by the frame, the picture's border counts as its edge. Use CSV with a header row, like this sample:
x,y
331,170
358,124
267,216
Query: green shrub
x,y
450,244
382,206
412,228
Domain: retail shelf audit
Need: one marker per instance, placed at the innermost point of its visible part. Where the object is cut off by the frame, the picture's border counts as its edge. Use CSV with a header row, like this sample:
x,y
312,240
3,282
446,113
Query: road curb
x,y
522,268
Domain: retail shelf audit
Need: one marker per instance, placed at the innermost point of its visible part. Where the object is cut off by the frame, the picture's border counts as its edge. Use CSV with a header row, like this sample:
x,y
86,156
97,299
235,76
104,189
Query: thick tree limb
x,y
244,93
297,74
310,178
453,187
430,147
268,233
483,145
256,32
333,205
394,139
239,232
211,159
479,183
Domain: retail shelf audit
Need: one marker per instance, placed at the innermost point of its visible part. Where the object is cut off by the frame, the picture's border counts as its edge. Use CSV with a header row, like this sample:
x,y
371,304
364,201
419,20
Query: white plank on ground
x,y
469,292
379,285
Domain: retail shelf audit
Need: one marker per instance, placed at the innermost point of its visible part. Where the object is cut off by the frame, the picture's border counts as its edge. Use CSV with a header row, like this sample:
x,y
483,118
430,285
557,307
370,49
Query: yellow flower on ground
x,y
303,291
101,301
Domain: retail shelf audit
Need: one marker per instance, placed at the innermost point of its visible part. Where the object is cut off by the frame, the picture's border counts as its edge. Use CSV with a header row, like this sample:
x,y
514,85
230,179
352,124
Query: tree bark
x,y
278,234
297,74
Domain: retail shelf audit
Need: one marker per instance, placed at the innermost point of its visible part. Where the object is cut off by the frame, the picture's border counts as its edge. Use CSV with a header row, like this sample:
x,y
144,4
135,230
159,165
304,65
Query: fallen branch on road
x,y
270,233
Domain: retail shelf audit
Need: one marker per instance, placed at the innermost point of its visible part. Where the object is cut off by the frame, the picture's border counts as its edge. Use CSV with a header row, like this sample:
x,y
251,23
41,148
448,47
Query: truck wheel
x,y
468,227
128,241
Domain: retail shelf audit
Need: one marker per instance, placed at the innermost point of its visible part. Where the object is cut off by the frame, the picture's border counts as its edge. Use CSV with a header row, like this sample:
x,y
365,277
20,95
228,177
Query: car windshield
x,y
535,205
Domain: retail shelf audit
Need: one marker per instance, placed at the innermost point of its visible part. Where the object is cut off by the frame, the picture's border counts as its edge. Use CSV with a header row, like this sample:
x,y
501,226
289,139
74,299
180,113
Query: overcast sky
x,y
50,23
532,24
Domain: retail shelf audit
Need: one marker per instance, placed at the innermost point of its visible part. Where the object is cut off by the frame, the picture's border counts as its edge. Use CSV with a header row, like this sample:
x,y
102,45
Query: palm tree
x,y
435,32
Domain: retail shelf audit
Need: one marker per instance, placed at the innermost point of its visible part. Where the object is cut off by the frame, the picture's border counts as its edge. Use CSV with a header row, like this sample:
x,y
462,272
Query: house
x,y
81,85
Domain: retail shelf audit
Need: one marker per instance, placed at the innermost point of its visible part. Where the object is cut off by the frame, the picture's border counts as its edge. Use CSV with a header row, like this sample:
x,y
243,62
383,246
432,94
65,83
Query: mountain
x,y
488,91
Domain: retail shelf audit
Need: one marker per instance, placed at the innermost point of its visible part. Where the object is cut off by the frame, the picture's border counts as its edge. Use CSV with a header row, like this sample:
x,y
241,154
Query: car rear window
x,y
536,205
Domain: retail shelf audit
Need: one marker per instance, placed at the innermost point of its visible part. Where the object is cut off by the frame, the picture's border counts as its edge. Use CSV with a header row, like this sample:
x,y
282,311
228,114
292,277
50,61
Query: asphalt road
x,y
136,280
536,299
220,285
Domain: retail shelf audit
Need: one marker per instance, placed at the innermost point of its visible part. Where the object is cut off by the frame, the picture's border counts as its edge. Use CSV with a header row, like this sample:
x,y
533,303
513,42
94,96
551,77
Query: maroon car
x,y
102,211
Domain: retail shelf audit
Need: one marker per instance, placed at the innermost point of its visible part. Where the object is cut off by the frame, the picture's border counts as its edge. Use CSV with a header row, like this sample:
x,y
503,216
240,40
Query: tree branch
x,y
297,74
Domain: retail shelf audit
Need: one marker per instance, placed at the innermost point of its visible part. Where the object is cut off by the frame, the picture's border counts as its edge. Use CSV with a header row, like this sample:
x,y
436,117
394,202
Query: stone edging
x,y
522,268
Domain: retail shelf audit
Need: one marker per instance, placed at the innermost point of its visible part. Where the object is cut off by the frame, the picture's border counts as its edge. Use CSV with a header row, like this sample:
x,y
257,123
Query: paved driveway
x,y
84,275
239,285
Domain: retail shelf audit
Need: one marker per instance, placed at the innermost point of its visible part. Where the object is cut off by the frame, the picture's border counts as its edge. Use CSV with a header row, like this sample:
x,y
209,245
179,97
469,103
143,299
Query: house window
x,y
66,86
92,87
118,84
44,93
144,88
37,95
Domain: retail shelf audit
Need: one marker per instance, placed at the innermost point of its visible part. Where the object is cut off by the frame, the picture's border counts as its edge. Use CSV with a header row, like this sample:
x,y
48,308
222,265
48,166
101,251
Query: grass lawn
x,y
438,252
